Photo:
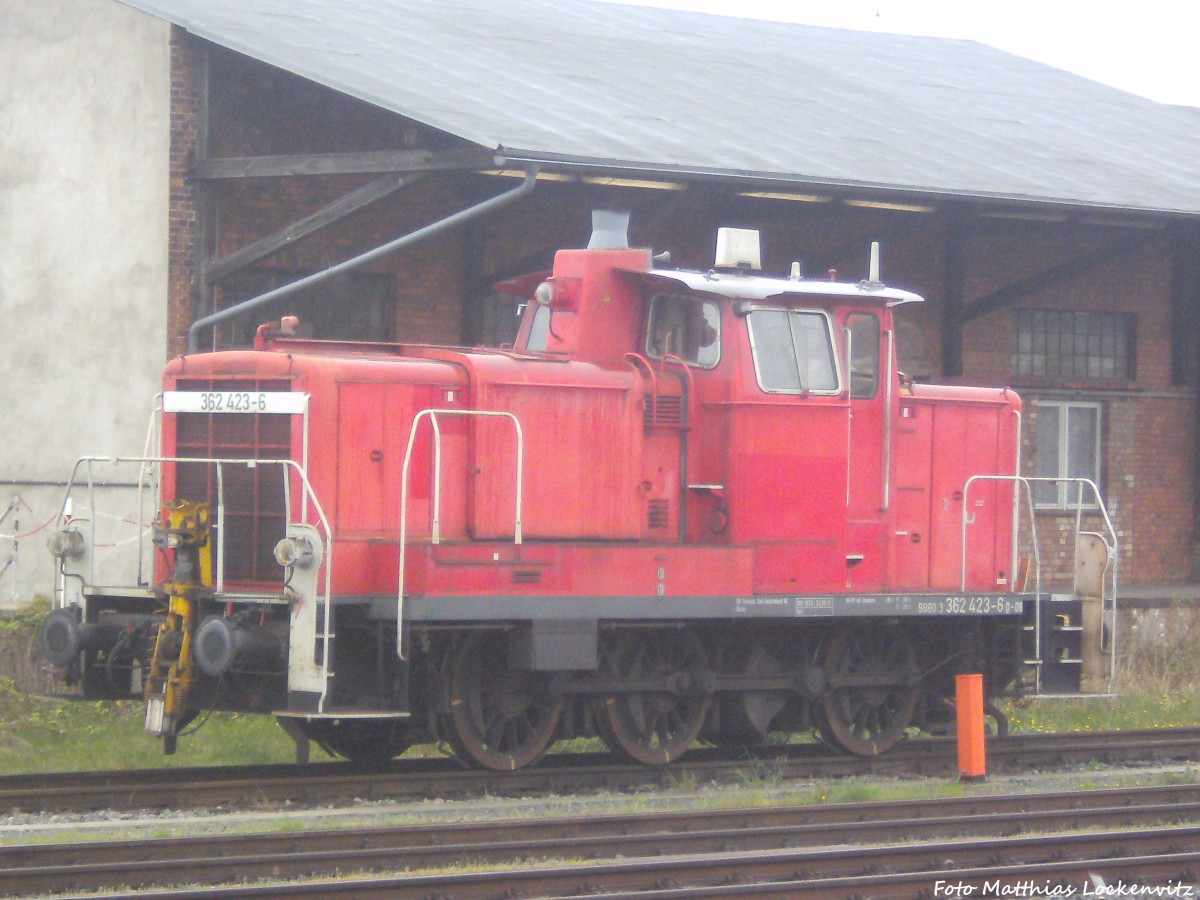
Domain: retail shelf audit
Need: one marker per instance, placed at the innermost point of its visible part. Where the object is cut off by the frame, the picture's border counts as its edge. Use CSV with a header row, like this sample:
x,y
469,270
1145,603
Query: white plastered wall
x,y
84,144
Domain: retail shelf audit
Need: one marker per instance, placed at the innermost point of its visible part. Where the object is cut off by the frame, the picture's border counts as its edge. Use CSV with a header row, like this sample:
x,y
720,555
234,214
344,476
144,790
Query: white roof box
x,y
738,248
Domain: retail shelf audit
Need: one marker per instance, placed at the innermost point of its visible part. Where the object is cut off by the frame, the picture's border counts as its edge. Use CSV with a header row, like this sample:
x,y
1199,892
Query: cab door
x,y
866,495
787,449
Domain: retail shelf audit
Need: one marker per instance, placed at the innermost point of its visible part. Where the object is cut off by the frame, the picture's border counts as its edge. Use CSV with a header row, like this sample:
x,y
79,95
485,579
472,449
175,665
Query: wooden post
x,y
953,296
972,759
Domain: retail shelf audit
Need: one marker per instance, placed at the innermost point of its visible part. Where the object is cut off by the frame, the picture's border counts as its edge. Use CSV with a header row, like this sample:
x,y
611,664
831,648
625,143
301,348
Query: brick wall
x,y
181,248
1147,423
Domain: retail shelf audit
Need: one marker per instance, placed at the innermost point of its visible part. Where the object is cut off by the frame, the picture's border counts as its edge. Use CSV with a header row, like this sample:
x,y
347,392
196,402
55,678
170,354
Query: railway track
x,y
836,850
258,786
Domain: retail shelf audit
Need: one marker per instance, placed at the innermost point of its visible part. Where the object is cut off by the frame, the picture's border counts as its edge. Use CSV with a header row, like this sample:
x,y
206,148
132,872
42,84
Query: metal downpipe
x,y
399,243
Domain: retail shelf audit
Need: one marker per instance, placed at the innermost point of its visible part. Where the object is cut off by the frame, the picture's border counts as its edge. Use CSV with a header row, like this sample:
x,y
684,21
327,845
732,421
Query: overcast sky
x,y
1148,47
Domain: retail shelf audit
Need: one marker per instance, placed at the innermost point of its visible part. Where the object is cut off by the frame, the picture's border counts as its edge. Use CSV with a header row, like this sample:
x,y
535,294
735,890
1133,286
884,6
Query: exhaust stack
x,y
610,230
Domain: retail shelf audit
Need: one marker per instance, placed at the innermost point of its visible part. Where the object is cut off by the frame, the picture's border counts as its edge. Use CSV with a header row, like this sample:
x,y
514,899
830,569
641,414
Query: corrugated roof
x,y
668,91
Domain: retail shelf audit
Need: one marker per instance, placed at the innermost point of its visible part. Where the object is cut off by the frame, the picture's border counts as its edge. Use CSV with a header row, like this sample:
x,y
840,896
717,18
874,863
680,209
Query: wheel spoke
x,y
867,719
494,732
654,728
498,718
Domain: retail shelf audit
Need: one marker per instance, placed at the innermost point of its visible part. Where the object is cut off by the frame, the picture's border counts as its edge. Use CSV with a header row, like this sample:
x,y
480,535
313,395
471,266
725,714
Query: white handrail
x,y
1021,488
220,575
321,520
1112,545
310,504
435,535
153,439
968,518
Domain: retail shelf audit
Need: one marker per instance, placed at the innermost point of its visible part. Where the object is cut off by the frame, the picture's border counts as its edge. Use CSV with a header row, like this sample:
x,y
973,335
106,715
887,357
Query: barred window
x,y
1075,346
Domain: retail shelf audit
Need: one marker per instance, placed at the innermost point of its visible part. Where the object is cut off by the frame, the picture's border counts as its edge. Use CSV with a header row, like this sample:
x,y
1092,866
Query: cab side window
x,y
793,351
684,327
863,329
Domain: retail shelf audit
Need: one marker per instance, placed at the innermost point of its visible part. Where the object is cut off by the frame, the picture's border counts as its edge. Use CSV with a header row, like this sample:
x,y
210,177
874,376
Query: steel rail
x,y
237,787
805,861
215,859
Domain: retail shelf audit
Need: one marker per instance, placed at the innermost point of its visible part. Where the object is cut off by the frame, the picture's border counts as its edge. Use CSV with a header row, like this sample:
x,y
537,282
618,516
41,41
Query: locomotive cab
x,y
684,506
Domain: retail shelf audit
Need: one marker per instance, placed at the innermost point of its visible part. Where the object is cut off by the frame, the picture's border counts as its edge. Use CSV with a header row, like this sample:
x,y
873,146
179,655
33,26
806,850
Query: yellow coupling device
x,y
186,532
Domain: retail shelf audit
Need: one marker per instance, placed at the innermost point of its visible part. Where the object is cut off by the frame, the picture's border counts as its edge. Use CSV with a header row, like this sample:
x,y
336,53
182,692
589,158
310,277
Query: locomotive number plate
x,y
234,402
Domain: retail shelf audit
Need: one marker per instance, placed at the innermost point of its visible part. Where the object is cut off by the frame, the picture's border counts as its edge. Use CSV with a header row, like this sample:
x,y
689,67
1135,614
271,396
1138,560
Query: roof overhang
x,y
740,286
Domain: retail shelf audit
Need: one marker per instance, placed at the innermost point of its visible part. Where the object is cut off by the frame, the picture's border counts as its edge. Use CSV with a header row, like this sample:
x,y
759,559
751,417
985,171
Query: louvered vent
x,y
254,498
669,411
526,576
658,513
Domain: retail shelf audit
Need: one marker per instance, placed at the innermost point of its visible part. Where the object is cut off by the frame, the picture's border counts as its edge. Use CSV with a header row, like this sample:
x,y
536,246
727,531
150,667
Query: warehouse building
x,y
167,159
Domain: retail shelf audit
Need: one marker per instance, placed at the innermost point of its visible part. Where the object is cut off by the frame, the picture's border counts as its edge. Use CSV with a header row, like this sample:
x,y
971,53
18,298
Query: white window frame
x,y
748,310
1067,493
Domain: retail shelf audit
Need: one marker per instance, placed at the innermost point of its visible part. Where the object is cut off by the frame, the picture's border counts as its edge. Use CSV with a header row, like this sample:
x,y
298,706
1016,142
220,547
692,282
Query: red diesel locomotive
x,y
684,506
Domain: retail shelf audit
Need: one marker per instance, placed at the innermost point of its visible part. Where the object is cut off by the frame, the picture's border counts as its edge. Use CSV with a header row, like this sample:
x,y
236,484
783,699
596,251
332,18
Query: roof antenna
x,y
872,282
610,230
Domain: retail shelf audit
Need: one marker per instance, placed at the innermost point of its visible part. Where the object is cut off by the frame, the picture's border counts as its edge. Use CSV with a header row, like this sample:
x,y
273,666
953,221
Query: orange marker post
x,y
968,698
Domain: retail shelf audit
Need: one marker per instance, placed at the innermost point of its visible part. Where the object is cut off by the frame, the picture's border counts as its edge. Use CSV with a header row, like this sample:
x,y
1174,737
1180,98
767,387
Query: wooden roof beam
x,y
216,269
1019,290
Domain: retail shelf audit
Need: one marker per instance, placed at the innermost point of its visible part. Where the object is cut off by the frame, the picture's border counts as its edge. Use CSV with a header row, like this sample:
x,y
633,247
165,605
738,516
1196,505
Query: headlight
x,y
294,551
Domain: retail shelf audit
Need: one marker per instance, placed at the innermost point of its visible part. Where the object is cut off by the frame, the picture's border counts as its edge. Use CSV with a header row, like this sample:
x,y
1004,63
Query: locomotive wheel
x,y
367,742
870,701
655,727
499,718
